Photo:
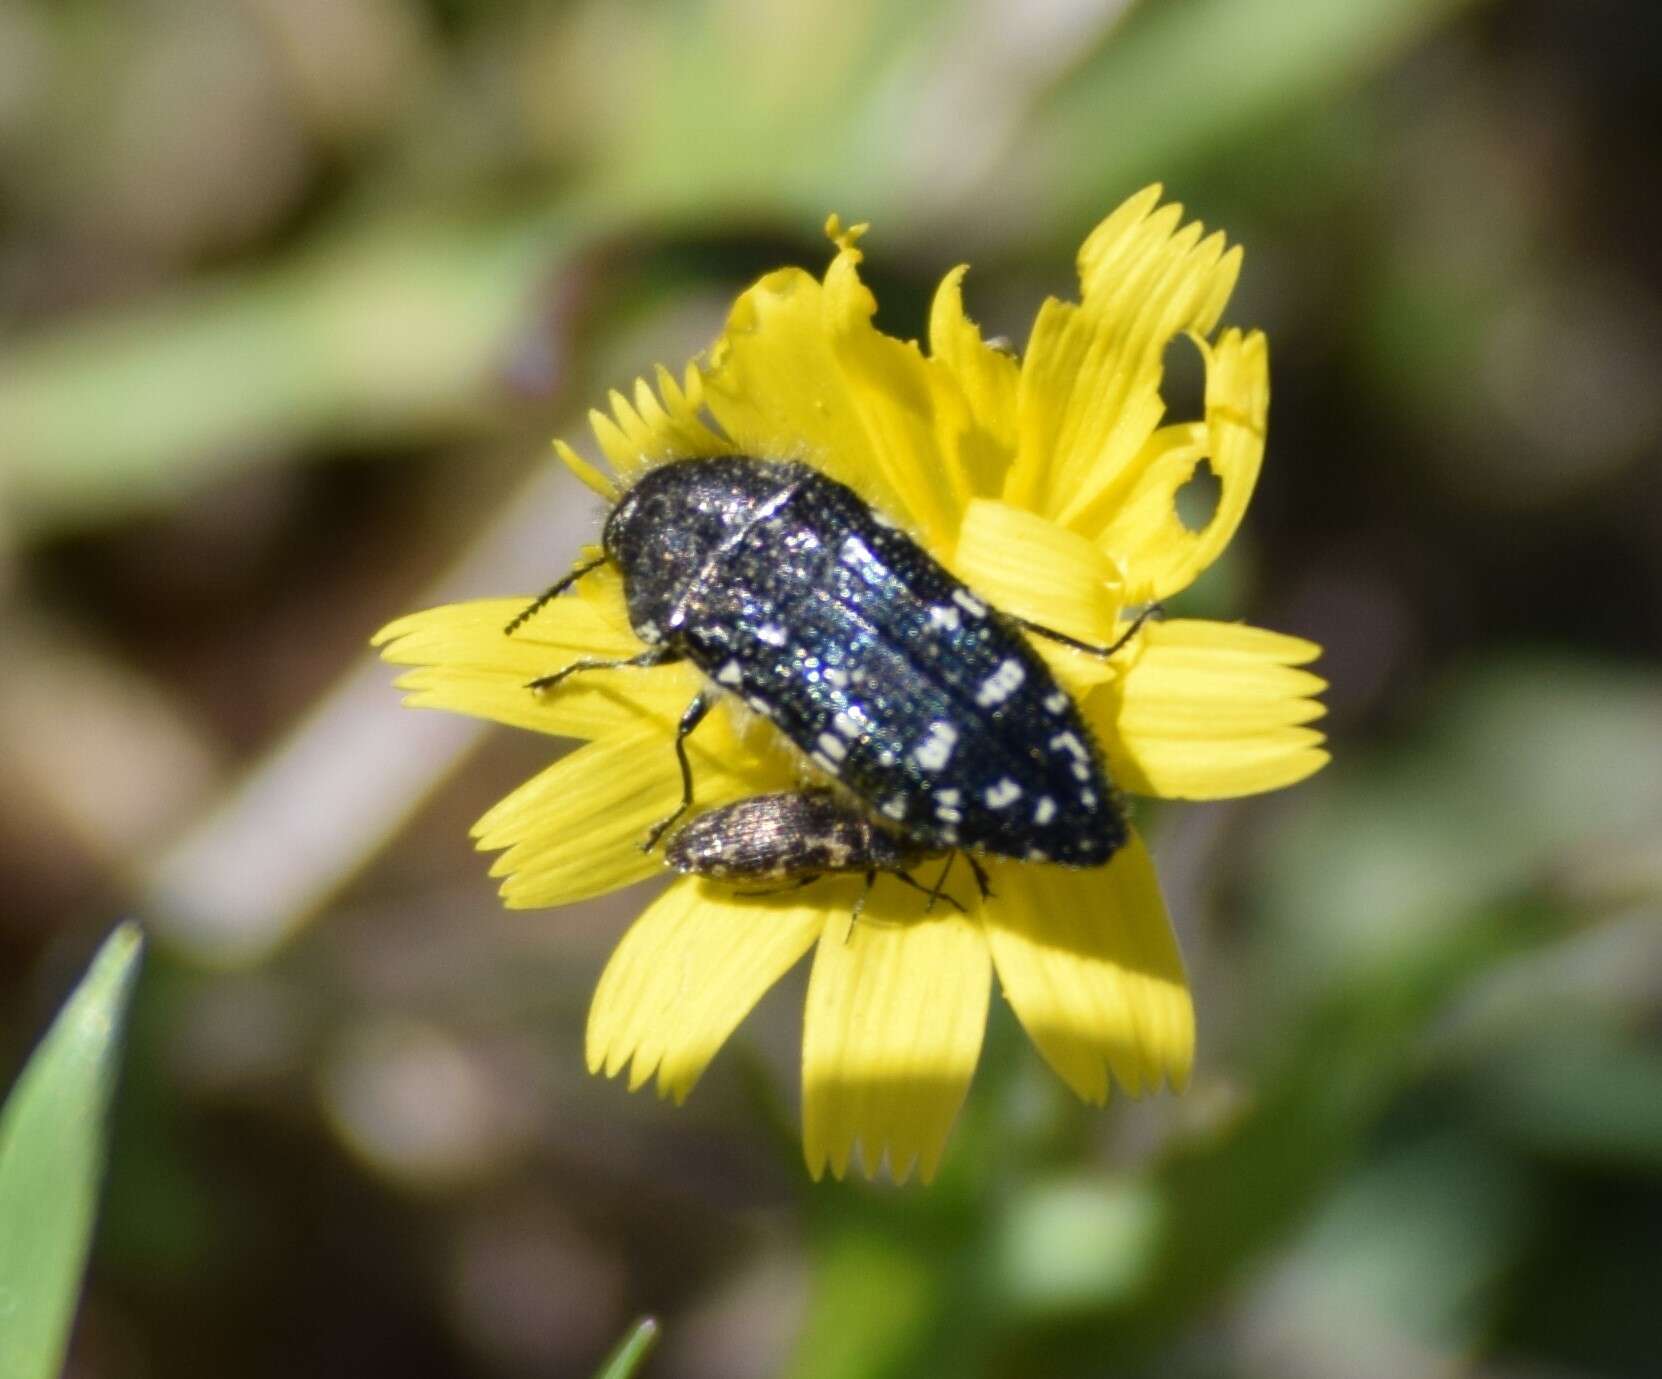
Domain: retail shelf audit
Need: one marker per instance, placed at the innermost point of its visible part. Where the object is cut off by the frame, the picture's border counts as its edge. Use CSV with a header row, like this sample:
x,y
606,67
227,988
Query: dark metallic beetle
x,y
796,837
788,590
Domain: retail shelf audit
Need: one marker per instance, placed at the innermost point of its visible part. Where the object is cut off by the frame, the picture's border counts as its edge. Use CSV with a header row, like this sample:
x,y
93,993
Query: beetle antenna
x,y
550,594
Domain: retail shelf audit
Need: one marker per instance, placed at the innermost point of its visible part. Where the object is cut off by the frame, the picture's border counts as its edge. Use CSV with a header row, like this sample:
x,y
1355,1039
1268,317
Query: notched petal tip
x,y
685,974
845,239
1090,965
891,1036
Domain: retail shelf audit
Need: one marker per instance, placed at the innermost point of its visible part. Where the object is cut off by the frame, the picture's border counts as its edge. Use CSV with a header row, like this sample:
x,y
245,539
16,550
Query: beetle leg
x,y
859,908
550,594
661,655
980,877
1152,611
936,891
702,703
933,892
860,904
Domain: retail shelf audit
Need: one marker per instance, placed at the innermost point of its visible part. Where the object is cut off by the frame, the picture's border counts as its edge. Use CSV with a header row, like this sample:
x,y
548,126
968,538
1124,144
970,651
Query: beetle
x,y
798,836
788,590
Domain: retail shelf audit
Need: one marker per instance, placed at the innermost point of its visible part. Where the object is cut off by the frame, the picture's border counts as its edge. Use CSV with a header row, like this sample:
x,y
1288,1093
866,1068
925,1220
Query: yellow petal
x,y
1143,533
981,435
689,969
1089,395
466,664
1031,568
589,475
576,829
774,386
1090,965
1207,710
898,395
645,431
800,372
891,1035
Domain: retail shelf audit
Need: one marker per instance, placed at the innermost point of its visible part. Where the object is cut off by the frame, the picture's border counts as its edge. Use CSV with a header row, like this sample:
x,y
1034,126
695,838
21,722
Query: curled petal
x,y
1144,533
1090,965
774,385
801,372
897,394
1089,396
689,969
981,433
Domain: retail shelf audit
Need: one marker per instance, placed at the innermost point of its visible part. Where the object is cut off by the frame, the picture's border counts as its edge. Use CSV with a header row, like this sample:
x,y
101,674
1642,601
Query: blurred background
x,y
293,294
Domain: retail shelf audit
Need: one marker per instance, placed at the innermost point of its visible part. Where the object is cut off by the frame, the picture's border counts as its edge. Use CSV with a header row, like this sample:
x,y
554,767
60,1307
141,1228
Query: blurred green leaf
x,y
385,335
1404,1259
1528,760
630,1351
1578,1093
878,1290
51,1162
1080,1242
1185,79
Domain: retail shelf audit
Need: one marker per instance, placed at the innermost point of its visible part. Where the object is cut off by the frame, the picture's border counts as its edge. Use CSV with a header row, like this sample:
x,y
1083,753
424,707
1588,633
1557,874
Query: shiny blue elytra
x,y
792,593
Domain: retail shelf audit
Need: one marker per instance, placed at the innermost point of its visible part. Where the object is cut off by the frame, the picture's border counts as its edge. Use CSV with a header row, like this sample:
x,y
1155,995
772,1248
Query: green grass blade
x,y
51,1161
631,1350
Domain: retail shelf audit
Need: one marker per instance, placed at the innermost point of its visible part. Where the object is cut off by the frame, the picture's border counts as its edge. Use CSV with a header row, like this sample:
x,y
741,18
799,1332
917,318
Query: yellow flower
x,y
1048,486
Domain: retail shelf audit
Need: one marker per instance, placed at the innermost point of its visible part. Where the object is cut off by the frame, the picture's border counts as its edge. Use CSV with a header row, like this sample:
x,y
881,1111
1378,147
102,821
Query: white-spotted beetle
x,y
788,590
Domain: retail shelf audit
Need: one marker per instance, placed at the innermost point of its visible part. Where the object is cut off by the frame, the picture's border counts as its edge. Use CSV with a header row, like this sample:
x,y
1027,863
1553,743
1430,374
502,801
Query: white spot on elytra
x,y
936,750
885,757
1005,792
943,616
1044,811
895,808
847,722
832,747
1057,703
823,762
855,551
1088,798
837,679
881,520
761,706
648,631
1037,855
948,797
729,674
771,633
1081,771
1070,743
949,836
1001,684
969,603
948,816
